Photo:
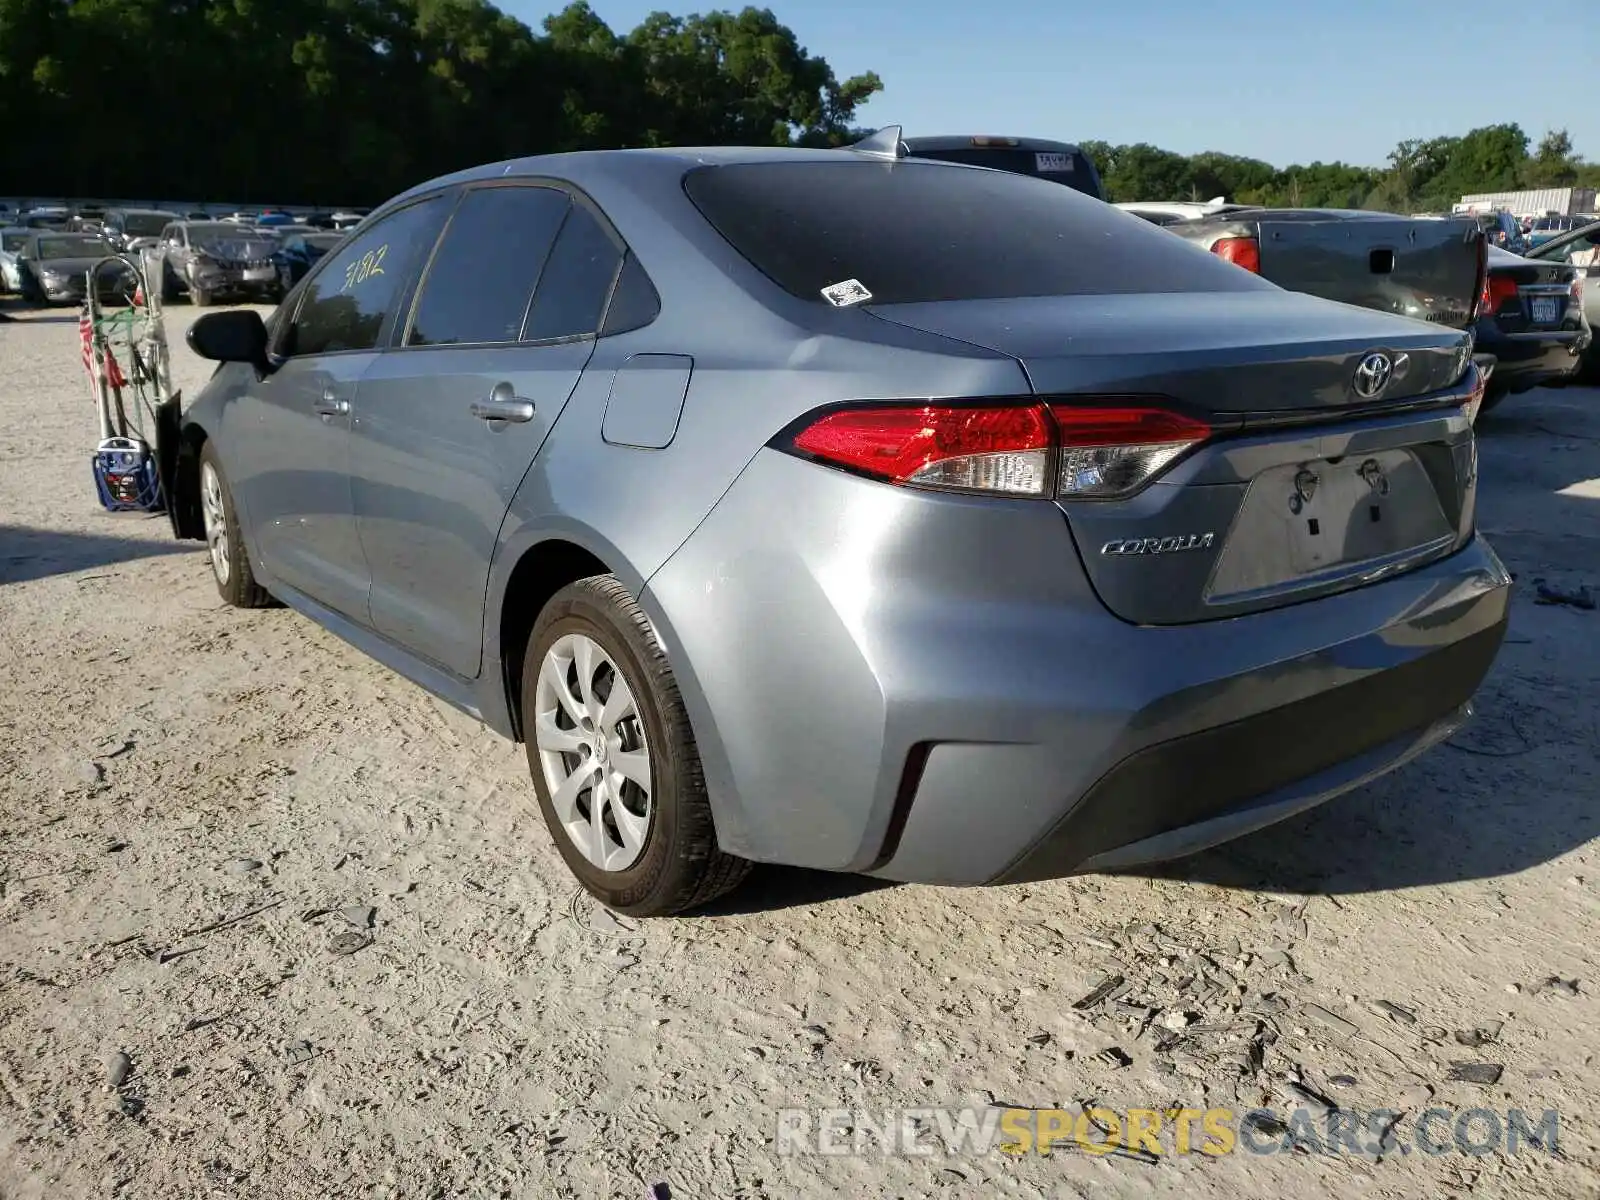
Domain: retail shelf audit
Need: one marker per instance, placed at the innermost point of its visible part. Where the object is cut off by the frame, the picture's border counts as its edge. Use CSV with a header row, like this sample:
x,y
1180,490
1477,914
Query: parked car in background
x,y
1546,229
54,266
213,260
1059,162
347,219
279,232
271,216
1419,267
297,253
52,216
1580,248
198,214
12,239
132,229
1531,319
631,455
1171,212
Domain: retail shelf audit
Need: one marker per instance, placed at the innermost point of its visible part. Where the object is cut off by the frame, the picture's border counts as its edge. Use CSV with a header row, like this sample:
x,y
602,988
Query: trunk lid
x,y
1426,269
1239,357
1308,488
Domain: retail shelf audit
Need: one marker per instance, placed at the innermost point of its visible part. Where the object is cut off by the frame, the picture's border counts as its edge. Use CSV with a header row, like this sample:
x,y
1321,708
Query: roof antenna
x,y
885,143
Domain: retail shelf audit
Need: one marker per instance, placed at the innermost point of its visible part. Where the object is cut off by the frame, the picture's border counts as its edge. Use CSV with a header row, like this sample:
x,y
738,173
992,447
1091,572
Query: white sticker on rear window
x,y
1052,162
843,295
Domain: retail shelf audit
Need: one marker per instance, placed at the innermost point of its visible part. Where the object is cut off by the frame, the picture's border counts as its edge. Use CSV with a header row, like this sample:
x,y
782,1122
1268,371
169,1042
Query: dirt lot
x,y
167,764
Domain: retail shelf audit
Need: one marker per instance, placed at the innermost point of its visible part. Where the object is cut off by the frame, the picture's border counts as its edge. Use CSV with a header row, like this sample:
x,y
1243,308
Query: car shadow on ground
x,y
33,316
27,554
771,888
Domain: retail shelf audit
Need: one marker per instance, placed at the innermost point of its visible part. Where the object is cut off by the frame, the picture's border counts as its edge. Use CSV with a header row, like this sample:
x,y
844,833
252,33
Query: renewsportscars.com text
x,y
1166,1131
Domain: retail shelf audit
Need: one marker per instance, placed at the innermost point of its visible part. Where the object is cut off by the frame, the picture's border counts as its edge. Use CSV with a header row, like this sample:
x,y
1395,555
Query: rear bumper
x,y
1525,360
927,690
1183,795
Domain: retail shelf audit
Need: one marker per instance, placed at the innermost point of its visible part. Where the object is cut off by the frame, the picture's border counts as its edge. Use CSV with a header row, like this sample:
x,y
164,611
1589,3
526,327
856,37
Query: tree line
x,y
1421,175
349,101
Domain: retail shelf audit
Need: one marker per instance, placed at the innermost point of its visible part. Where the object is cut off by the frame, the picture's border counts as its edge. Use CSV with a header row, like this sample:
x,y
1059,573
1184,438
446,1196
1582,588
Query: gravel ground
x,y
411,998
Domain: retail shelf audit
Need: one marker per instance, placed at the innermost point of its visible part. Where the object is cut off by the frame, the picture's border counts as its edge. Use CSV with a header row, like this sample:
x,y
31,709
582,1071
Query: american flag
x,y
114,374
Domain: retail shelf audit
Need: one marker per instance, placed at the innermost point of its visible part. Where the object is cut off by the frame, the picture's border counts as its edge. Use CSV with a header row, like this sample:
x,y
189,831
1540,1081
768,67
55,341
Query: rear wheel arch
x,y
541,571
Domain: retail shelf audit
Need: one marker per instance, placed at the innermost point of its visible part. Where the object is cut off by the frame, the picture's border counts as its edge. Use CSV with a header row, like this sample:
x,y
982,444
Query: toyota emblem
x,y
1372,376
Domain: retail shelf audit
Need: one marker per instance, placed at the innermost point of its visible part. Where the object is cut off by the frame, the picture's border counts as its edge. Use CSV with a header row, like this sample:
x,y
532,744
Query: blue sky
x,y
1286,81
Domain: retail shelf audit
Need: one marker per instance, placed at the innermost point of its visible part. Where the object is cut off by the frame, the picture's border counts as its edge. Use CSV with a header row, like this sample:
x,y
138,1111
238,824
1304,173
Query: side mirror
x,y
236,336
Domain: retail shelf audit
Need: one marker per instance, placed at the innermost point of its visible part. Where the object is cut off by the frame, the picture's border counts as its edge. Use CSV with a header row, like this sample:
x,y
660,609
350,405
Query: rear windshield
x,y
1068,166
912,232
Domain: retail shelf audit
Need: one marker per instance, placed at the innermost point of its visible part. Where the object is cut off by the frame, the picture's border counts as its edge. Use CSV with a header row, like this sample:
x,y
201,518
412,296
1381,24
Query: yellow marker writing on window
x,y
365,267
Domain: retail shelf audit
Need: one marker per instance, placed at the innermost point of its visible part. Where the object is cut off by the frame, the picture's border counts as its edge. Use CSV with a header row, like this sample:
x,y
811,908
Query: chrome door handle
x,y
332,406
503,405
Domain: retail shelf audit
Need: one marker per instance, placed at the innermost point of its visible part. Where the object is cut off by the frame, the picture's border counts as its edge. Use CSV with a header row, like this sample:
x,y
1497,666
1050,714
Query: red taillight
x,y
1497,289
1242,252
1064,449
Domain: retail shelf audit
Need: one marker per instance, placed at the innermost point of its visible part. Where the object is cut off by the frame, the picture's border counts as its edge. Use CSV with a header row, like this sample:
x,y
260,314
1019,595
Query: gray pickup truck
x,y
1429,268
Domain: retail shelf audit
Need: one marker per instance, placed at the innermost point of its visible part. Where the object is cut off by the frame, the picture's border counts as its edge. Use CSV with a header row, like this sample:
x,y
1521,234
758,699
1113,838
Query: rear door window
x,y
912,232
481,280
576,282
348,301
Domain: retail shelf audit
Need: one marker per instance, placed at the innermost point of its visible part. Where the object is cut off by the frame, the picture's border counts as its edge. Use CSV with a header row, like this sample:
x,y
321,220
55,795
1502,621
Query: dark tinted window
x,y
345,305
635,303
576,280
482,278
911,232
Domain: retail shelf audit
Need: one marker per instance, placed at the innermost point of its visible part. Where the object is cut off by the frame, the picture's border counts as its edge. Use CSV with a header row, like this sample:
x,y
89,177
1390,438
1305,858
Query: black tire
x,y
169,285
237,585
680,865
1492,396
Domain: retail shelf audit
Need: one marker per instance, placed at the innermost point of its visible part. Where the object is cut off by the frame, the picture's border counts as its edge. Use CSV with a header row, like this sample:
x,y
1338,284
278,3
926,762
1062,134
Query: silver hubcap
x,y
216,519
593,752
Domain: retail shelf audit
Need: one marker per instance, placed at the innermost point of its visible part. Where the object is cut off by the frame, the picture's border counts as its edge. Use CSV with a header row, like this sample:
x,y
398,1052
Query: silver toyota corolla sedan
x,y
846,510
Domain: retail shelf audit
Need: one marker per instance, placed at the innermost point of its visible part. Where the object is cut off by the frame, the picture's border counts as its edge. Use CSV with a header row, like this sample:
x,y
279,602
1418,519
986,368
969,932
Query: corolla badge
x,y
1160,545
1372,375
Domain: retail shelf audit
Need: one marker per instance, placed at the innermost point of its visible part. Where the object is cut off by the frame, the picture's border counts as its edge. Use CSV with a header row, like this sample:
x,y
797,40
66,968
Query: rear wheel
x,y
1492,396
230,565
613,757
